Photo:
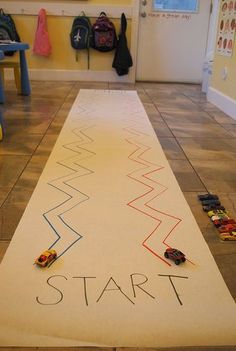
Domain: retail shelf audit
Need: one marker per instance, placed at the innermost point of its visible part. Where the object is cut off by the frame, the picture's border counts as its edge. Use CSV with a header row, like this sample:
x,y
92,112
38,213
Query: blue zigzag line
x,y
66,146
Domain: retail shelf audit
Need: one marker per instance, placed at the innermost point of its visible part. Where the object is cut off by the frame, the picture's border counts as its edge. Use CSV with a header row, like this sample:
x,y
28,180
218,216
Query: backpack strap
x,y
88,57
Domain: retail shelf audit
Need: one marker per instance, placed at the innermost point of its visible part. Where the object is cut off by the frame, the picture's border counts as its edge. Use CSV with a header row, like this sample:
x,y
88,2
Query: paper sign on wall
x,y
227,27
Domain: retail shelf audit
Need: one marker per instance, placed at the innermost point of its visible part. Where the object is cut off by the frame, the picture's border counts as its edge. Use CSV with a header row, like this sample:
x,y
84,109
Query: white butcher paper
x,y
109,204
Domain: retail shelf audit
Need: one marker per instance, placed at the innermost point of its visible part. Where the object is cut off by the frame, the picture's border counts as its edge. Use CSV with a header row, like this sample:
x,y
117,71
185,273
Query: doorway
x,y
172,45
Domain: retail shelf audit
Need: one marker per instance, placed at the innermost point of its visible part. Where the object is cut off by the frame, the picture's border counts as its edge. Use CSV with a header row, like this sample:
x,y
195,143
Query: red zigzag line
x,y
148,164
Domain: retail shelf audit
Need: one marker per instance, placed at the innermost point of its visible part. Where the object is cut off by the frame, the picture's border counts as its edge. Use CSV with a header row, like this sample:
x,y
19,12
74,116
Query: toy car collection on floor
x,y
219,216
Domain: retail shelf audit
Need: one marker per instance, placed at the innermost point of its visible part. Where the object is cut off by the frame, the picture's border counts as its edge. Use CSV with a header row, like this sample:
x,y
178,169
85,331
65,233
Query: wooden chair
x,y
16,66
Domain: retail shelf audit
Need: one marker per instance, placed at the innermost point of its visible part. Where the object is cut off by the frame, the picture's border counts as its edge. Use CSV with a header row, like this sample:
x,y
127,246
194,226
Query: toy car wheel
x,y
177,262
166,255
44,264
183,259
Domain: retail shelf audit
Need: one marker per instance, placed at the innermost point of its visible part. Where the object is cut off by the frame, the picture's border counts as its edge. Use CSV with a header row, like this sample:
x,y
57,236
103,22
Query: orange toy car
x,y
46,257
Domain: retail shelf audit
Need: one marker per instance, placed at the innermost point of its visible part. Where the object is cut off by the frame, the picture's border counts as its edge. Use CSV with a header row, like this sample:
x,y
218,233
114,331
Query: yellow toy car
x,y
46,257
228,236
217,213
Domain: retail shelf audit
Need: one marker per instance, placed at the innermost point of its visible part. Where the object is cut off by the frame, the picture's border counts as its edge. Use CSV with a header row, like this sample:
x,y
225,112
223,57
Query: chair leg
x,y
2,95
2,75
17,79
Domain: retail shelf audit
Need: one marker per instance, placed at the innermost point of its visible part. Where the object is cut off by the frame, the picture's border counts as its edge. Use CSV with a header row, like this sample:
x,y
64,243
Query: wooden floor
x,y
198,139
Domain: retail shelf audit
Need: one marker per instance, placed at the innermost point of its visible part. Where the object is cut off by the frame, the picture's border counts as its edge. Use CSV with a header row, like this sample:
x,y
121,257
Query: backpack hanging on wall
x,y
122,60
80,34
8,30
42,45
103,34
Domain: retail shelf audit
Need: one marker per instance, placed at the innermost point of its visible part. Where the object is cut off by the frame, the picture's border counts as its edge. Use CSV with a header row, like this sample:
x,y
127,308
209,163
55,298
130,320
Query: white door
x,y
172,45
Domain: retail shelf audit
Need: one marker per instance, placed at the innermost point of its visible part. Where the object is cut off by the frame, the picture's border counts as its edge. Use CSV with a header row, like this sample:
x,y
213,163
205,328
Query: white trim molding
x,y
73,75
222,101
77,75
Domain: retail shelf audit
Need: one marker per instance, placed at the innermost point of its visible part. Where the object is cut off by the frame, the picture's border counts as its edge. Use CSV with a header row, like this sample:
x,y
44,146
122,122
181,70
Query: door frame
x,y
212,31
211,36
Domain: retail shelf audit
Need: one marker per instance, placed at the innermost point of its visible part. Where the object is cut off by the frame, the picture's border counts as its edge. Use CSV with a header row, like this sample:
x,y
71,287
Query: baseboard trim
x,y
222,101
72,75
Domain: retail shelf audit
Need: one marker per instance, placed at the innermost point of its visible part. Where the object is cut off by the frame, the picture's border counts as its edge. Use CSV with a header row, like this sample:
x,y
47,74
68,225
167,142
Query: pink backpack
x,y
42,45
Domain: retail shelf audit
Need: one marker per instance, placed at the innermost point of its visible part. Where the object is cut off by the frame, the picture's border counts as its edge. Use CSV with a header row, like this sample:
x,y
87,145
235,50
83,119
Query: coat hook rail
x,y
66,9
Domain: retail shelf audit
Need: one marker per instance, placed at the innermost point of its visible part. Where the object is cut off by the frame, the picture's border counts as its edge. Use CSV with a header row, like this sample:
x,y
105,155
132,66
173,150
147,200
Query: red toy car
x,y
227,228
223,221
174,254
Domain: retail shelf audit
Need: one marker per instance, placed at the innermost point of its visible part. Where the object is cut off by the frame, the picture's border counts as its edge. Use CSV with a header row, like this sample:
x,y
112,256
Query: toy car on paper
x,y
228,236
174,254
46,257
227,228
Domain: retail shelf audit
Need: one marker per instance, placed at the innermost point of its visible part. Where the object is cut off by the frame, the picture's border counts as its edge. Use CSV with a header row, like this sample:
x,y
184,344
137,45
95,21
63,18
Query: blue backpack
x,y
80,34
8,30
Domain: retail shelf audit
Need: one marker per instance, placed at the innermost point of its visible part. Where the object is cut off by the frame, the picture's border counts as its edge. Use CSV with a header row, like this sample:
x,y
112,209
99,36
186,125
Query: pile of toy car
x,y
219,216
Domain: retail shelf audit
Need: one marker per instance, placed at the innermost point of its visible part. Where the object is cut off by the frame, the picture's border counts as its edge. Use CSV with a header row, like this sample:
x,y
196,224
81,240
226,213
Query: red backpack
x,y
103,34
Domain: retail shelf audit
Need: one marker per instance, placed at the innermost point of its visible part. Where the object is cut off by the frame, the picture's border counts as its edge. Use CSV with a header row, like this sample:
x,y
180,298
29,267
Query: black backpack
x,y
80,34
103,34
8,30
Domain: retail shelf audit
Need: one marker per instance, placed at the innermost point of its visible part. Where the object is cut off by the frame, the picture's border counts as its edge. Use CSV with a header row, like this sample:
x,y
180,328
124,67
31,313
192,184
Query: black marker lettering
x,y
85,287
59,291
117,288
172,284
138,284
